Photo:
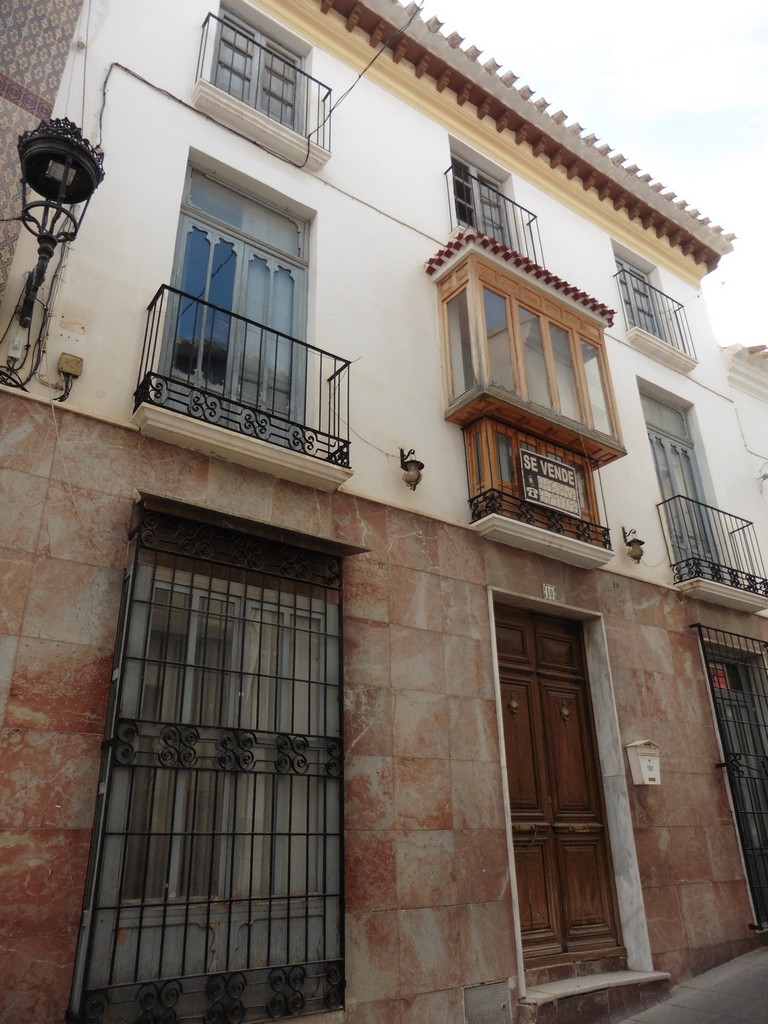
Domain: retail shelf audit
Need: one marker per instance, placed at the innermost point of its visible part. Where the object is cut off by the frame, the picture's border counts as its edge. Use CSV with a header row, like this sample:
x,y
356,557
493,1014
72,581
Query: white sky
x,y
680,87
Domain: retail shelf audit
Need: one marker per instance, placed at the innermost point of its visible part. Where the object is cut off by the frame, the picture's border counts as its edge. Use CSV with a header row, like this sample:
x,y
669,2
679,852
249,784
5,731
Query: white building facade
x,y
282,735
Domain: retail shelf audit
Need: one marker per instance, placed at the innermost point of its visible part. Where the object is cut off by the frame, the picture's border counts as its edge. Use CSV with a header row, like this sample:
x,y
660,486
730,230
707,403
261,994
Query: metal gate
x,y
738,679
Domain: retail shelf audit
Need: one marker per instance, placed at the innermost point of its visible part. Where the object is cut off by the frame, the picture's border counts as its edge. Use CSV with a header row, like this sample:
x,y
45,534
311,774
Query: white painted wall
x,y
378,210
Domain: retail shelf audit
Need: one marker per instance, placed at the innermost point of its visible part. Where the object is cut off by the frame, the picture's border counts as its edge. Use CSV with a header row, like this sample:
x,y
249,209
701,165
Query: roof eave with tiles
x,y
512,108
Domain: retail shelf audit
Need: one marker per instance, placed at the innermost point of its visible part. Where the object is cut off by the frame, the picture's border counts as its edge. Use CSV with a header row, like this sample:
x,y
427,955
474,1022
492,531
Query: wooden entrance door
x,y
564,879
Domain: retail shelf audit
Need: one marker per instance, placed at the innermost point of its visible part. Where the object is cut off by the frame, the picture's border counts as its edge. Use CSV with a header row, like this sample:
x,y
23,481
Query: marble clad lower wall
x,y
427,882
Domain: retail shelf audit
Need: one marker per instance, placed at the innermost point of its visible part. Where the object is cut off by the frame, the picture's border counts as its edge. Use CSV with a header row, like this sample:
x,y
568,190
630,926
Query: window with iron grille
x,y
479,201
215,888
736,666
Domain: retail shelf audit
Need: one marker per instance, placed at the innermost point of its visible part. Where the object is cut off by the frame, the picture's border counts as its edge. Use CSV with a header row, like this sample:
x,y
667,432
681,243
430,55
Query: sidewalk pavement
x,y
733,993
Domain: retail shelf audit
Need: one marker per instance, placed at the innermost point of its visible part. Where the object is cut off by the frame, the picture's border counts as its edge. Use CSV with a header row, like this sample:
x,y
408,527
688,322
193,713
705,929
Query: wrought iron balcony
x,y
266,77
654,312
502,503
707,544
216,366
475,203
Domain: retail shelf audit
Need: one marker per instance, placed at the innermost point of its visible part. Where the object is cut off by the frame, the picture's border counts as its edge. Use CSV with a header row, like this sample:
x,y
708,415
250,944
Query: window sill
x,y
257,127
543,542
722,594
659,350
208,439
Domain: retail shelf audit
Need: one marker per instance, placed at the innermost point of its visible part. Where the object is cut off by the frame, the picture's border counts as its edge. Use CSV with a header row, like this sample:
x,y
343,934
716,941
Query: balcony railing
x,y
474,203
211,364
265,78
654,312
501,502
705,543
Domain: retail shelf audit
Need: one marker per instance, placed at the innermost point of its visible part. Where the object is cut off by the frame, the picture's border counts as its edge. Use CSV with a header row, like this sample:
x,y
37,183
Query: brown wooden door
x,y
564,876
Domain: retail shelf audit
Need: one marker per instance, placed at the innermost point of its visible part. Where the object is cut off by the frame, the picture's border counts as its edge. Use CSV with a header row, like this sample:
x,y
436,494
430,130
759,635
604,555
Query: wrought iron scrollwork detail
x,y
94,1006
340,457
178,746
248,551
334,987
287,996
123,745
236,750
225,992
335,758
204,406
157,1001
296,563
291,756
254,423
196,539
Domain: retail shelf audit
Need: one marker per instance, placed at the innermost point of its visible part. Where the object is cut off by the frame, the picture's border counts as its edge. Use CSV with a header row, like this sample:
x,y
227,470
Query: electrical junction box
x,y
69,364
644,762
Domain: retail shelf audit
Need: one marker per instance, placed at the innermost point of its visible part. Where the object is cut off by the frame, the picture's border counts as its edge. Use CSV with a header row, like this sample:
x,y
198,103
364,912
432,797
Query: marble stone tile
x,y
477,797
373,958
672,856
358,521
369,872
426,869
366,588
722,847
171,471
714,912
367,720
83,525
42,874
420,725
430,949
465,609
461,554
27,436
22,499
366,651
37,974
482,866
474,732
8,648
47,780
300,508
468,666
422,793
73,602
16,569
387,1011
487,952
445,1007
369,793
97,456
412,541
235,490
666,925
416,659
415,599
60,687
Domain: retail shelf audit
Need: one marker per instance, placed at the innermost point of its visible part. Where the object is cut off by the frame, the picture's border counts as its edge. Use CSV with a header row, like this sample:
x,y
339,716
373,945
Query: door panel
x,y
564,879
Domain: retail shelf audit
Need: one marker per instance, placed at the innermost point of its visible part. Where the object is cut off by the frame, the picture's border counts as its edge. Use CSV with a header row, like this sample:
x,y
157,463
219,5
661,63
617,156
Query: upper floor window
x,y
257,70
535,360
478,202
253,79
662,319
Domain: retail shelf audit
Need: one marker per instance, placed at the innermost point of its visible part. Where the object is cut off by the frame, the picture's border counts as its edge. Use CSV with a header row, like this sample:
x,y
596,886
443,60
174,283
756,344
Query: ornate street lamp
x,y
64,170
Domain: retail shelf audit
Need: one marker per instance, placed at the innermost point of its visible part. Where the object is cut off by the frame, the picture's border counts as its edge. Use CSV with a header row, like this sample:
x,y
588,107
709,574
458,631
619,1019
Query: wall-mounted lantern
x,y
64,170
634,545
411,468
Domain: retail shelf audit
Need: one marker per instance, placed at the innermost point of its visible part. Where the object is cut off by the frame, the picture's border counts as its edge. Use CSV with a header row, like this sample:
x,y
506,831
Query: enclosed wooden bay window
x,y
527,378
515,352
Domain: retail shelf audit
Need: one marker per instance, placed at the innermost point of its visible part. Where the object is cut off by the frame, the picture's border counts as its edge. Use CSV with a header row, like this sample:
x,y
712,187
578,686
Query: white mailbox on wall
x,y
644,762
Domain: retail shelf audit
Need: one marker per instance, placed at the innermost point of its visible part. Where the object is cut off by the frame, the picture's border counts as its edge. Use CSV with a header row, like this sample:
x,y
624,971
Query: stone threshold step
x,y
555,990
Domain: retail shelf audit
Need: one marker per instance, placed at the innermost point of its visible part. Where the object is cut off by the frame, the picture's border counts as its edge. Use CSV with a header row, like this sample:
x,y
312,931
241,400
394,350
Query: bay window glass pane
x,y
459,346
504,452
601,419
535,364
500,365
566,377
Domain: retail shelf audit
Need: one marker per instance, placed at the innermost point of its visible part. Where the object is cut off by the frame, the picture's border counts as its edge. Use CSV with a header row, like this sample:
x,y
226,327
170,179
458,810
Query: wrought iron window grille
x,y
215,889
738,681
653,311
